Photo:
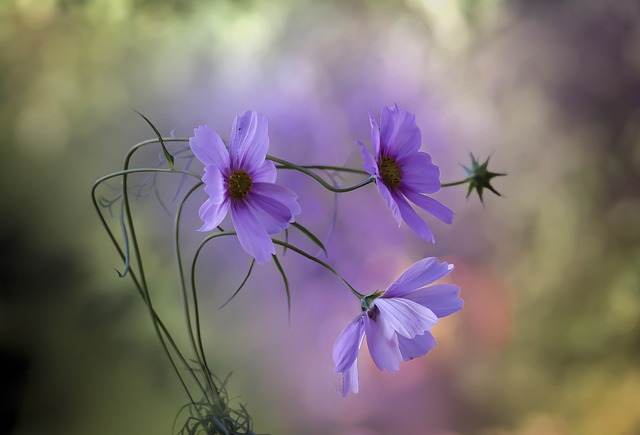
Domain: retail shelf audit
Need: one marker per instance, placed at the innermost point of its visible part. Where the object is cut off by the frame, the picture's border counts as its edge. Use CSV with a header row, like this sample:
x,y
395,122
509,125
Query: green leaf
x,y
311,236
244,281
286,284
167,155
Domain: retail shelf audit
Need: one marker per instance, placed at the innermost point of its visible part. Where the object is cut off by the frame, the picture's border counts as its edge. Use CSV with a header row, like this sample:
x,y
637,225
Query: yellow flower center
x,y
239,184
390,172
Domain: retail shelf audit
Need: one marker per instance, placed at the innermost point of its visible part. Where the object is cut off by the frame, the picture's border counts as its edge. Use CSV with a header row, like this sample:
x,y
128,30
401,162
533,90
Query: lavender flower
x,y
402,172
242,180
397,322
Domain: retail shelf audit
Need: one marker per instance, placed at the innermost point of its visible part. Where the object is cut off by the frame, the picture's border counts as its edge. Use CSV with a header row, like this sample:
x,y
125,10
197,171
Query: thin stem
x,y
194,263
456,183
143,280
335,168
288,165
156,319
139,145
142,170
277,242
198,347
321,263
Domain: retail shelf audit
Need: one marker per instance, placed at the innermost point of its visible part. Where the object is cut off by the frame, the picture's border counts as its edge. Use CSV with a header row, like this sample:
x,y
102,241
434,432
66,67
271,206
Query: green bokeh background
x,y
549,342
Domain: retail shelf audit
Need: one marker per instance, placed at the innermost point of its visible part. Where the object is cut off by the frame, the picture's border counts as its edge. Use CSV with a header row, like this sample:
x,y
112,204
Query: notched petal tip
x,y
208,147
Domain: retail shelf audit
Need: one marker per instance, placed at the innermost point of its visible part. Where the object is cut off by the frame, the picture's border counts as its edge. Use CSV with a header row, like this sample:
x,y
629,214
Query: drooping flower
x,y
242,180
402,172
397,321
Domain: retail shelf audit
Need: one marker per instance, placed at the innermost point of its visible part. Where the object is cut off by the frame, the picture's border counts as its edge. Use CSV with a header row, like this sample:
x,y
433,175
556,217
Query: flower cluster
x,y
242,180
239,180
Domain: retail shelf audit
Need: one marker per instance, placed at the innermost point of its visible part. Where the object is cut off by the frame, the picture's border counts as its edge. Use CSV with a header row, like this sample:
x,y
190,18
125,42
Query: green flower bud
x,y
480,177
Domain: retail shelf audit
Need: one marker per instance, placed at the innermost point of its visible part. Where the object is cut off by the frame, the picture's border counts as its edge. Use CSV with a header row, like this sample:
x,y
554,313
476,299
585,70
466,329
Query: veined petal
x,y
252,235
419,173
212,214
442,299
407,318
345,350
264,173
385,192
350,379
430,205
272,214
413,220
368,161
420,274
383,349
417,346
375,135
249,141
281,194
399,133
214,184
207,146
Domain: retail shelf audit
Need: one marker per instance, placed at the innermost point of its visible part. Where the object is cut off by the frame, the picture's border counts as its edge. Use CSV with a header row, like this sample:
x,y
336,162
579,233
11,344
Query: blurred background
x,y
549,339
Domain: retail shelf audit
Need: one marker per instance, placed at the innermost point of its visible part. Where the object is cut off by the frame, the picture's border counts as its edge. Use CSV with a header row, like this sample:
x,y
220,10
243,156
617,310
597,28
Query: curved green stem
x,y
158,324
336,168
321,263
198,347
288,165
139,145
456,183
143,280
277,242
126,172
193,269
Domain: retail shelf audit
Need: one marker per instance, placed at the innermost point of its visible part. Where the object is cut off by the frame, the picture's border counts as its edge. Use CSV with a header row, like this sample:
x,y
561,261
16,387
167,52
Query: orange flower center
x,y
390,172
239,184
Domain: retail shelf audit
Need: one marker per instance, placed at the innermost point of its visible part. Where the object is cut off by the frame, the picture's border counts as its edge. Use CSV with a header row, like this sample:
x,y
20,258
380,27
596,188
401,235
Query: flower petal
x,y
252,235
417,346
212,214
249,141
420,274
430,205
345,350
368,161
405,317
419,173
442,299
214,184
281,194
413,220
207,146
264,173
350,379
383,348
272,214
385,192
399,134
375,134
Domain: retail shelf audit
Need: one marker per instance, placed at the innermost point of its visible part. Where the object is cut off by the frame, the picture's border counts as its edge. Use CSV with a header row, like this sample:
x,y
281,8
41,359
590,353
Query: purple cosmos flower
x,y
242,180
397,322
402,172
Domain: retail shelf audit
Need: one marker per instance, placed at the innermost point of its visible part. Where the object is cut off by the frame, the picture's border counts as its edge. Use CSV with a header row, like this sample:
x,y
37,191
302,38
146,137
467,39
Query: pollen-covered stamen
x,y
390,172
240,183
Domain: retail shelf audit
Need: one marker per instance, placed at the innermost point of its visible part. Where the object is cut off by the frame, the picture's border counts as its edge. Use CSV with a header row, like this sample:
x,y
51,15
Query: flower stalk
x,y
239,180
